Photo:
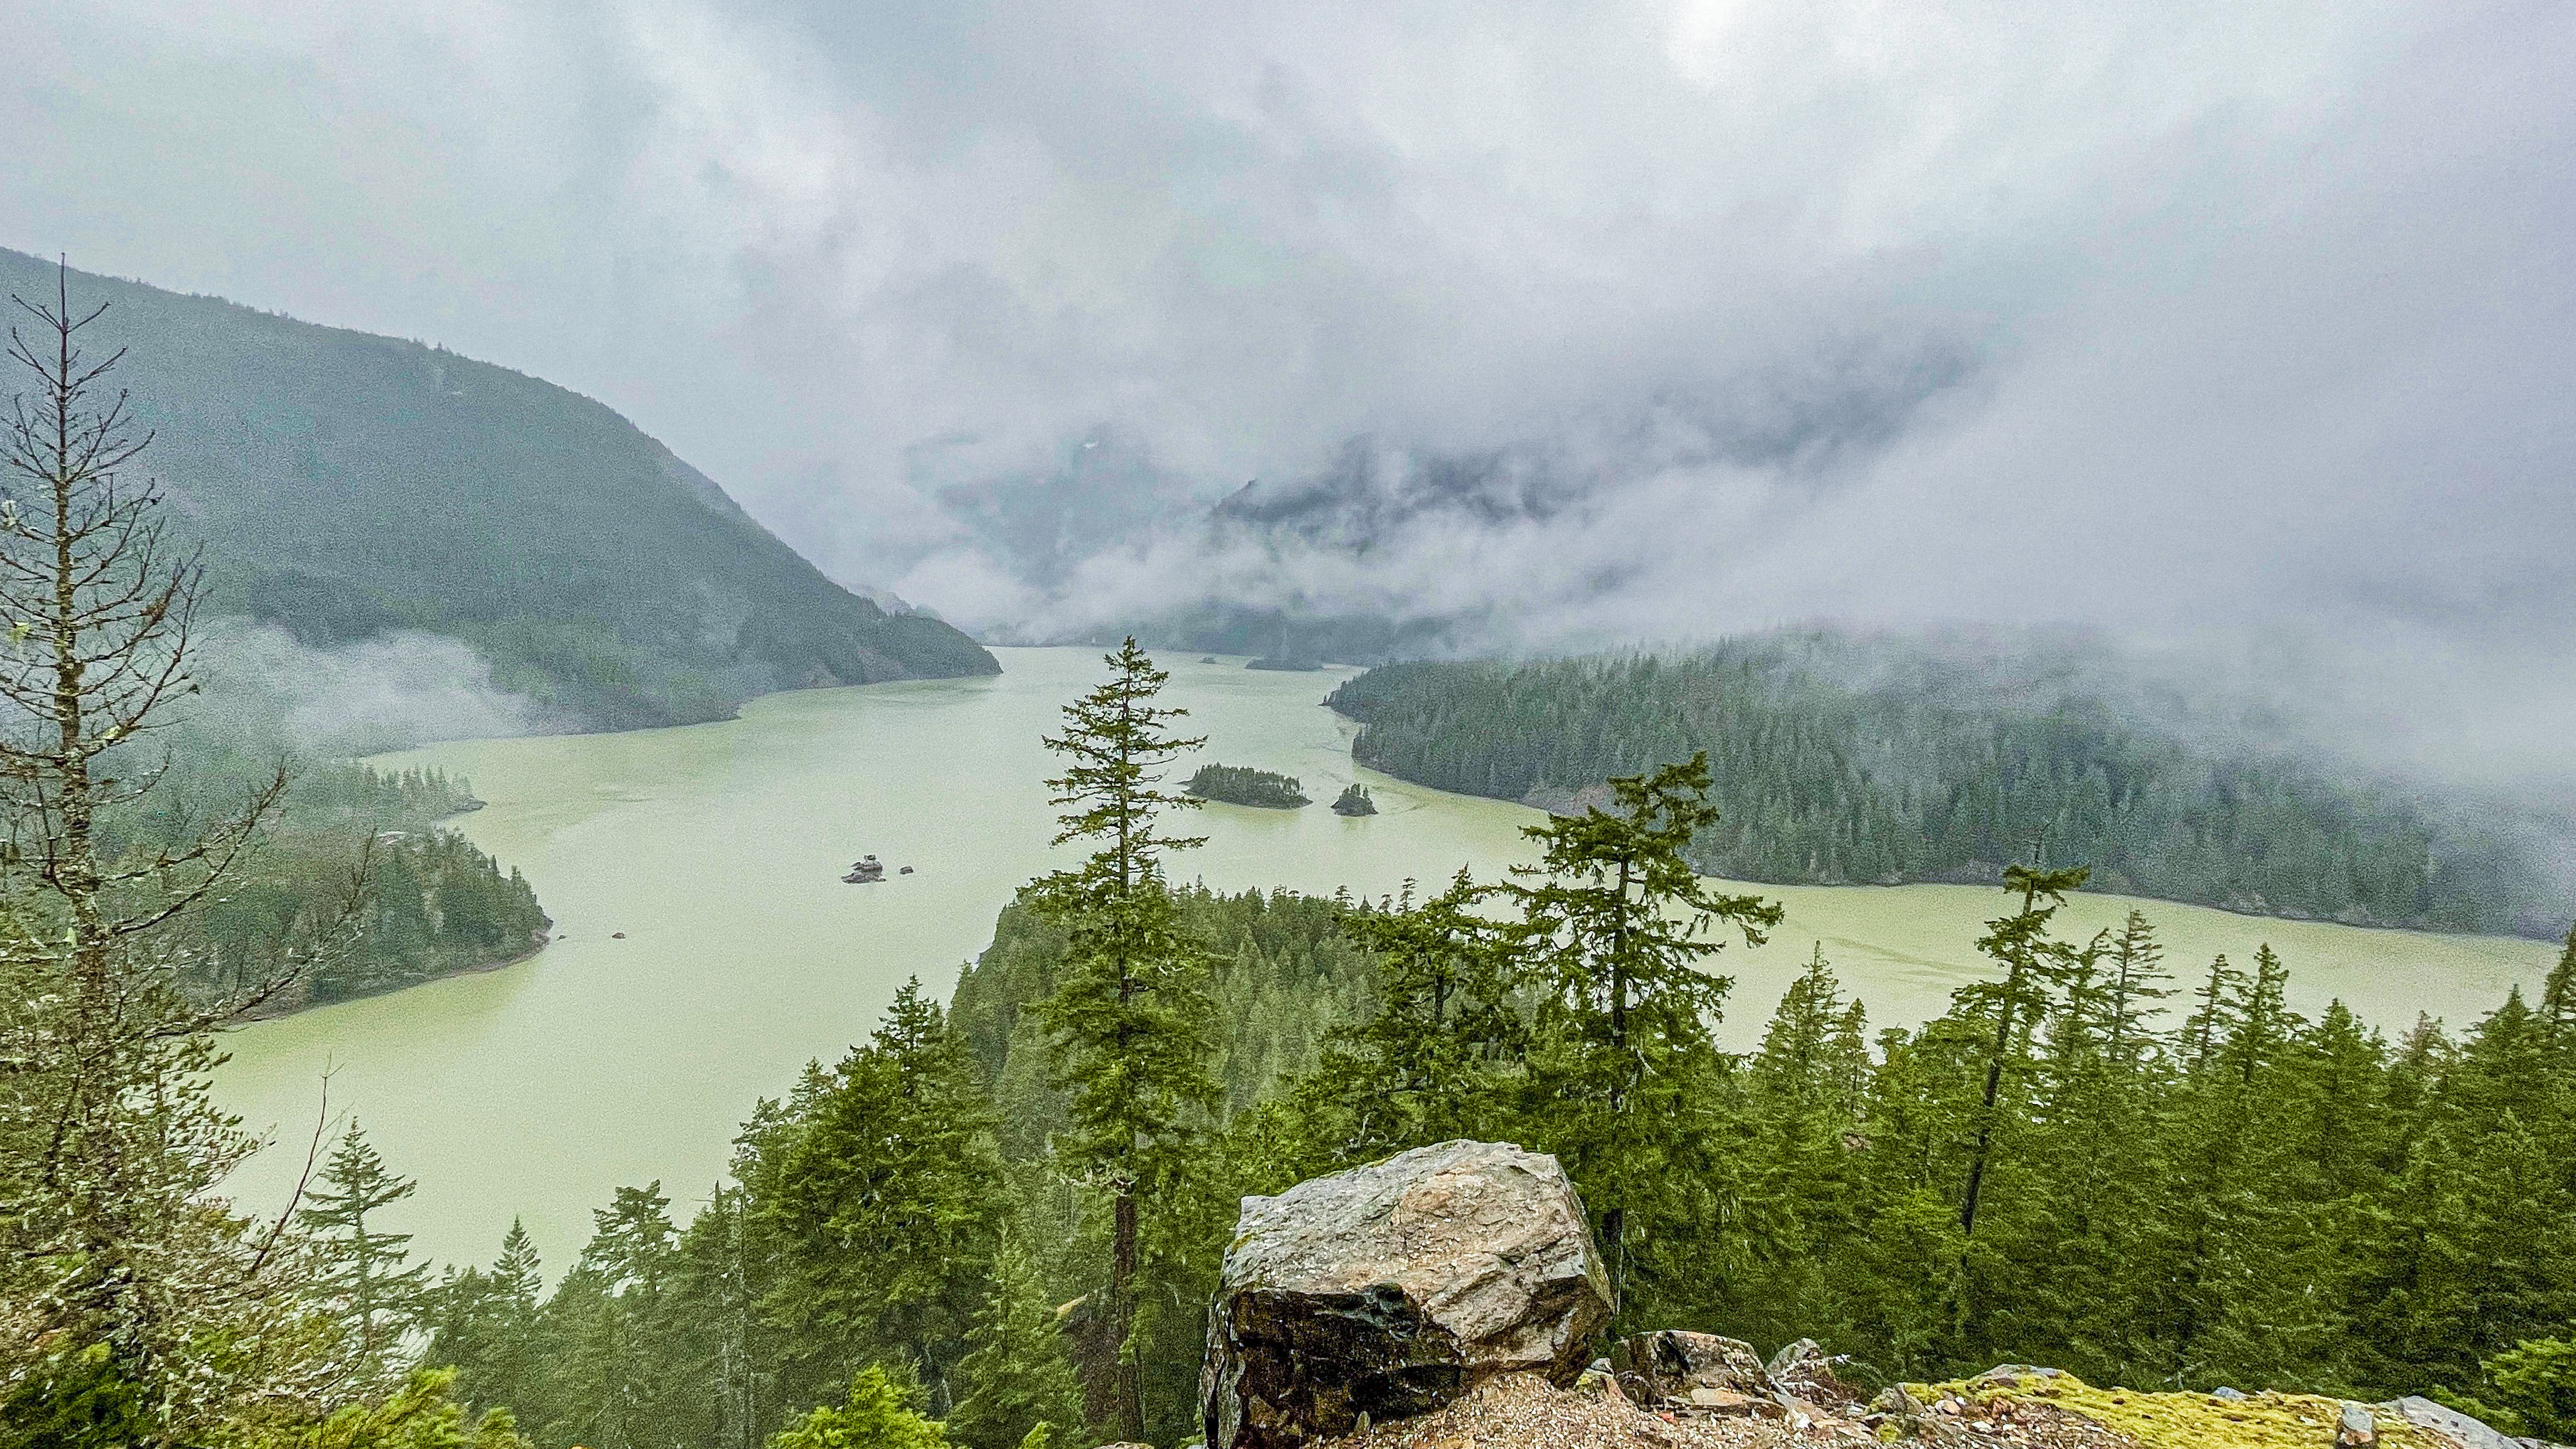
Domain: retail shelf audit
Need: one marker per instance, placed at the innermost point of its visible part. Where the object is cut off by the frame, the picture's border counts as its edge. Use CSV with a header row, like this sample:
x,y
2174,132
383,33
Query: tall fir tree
x,y
1421,1068
1129,1021
2558,1001
2034,965
2136,982
879,1411
2008,1014
2232,1289
1615,925
2092,1160
483,1323
368,1273
2214,1018
613,1388
1800,1129
2343,1130
881,1190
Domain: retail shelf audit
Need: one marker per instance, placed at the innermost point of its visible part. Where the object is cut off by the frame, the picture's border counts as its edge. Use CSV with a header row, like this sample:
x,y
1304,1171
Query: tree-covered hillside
x,y
1839,763
430,903
345,484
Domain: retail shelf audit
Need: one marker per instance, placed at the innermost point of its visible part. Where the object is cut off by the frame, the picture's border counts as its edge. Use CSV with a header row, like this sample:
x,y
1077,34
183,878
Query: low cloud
x,y
389,692
2243,330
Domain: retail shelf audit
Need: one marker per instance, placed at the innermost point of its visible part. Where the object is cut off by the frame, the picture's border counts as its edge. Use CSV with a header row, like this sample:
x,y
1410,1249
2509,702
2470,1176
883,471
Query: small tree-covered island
x,y
1240,785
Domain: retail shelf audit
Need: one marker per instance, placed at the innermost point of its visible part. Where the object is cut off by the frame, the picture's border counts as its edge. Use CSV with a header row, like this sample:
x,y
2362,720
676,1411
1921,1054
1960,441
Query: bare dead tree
x,y
109,1147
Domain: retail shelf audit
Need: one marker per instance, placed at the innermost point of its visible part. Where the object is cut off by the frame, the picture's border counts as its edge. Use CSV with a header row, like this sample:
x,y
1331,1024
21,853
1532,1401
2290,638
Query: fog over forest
x,y
2242,335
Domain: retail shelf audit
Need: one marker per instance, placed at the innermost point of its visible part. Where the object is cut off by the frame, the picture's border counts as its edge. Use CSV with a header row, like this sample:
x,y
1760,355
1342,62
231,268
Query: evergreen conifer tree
x,y
367,1272
1129,1018
882,1190
612,1386
1614,926
484,1324
880,1411
1420,1069
2004,1018
2558,999
2033,964
2215,1018
1016,1377
1802,1195
2232,1277
2344,1129
2133,962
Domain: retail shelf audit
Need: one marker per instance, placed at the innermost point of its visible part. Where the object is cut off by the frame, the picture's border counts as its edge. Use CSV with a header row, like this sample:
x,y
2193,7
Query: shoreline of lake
x,y
717,849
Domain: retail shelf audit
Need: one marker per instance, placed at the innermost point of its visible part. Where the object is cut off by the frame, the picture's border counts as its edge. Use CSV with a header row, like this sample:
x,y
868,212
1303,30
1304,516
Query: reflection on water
x,y
717,850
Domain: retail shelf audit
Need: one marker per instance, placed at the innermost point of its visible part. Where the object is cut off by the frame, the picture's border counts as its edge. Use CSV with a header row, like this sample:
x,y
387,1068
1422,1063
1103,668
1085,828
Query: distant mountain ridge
x,y
345,484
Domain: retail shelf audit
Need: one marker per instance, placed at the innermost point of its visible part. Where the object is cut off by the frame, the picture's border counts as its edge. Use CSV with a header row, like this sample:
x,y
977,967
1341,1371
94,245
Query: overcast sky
x,y
2177,319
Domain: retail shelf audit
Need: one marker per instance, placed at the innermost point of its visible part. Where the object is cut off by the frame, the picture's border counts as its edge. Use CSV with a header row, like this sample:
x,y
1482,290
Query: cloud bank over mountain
x,y
1571,322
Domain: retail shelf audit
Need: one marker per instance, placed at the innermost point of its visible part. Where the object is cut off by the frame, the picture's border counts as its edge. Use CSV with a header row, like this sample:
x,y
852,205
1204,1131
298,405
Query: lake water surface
x,y
716,850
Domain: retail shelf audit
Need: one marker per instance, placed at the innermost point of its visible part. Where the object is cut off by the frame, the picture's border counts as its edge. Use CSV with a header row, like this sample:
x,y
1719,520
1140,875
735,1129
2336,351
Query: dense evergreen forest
x,y
1839,760
344,485
354,875
430,903
2147,1172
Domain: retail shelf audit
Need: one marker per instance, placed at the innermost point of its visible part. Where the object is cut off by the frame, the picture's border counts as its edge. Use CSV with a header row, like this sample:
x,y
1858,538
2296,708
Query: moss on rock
x,y
2188,1421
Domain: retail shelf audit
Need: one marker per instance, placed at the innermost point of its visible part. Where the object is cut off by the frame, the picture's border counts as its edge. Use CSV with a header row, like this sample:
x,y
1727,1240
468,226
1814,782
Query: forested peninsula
x,y
429,904
1836,762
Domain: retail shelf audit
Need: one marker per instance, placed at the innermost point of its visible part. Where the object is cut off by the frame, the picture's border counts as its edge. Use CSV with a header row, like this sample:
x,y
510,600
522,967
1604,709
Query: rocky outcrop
x,y
2019,1404
1449,1297
1676,1365
2469,1433
1392,1289
1804,1370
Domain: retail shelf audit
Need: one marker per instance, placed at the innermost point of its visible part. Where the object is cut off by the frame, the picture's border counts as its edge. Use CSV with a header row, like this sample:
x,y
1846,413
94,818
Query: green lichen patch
x,y
2189,1421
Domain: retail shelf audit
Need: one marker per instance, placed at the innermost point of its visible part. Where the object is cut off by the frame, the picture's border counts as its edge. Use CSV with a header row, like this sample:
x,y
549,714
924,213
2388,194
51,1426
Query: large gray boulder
x,y
1392,1289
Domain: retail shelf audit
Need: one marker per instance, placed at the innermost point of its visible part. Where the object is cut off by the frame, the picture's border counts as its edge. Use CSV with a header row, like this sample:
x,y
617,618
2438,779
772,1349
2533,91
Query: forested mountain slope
x,y
1856,761
345,484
